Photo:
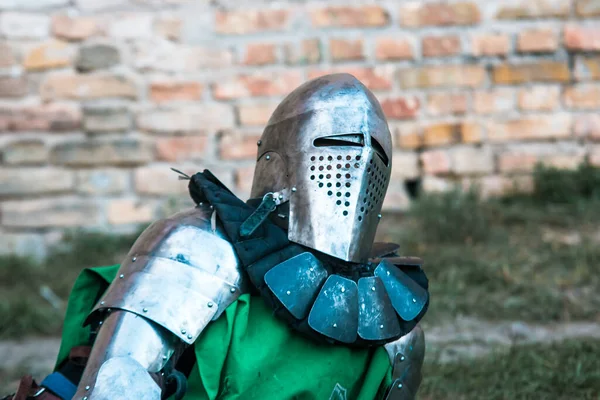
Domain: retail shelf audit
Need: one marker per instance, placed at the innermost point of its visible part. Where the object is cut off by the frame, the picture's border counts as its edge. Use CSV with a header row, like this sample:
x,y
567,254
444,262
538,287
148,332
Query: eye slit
x,y
352,139
379,151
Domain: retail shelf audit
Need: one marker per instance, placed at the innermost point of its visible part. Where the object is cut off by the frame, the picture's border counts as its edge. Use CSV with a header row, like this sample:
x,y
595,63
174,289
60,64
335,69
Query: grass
x,y
567,370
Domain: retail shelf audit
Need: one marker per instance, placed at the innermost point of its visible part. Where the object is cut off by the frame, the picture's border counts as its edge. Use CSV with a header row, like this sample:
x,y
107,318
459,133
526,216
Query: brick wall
x,y
98,98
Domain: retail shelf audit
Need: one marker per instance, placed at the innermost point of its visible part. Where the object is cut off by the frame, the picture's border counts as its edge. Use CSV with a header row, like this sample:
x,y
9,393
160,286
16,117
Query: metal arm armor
x,y
180,274
406,355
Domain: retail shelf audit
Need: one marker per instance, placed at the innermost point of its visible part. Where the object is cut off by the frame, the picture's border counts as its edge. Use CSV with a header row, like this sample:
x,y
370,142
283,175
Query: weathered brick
x,y
539,98
396,199
498,100
50,213
255,114
346,49
587,68
587,125
131,26
260,54
307,52
490,44
417,14
447,103
471,160
169,57
90,6
263,84
45,117
17,25
7,56
34,5
557,125
534,9
582,38
542,40
25,152
93,153
582,97
435,184
378,78
169,27
401,107
543,71
180,148
408,136
23,244
442,76
243,22
13,86
243,181
166,91
451,133
83,87
387,48
129,211
587,8
97,56
594,156
18,181
160,180
525,160
499,185
440,46
98,119
52,54
102,181
405,166
73,28
202,118
349,17
234,146
517,162
435,162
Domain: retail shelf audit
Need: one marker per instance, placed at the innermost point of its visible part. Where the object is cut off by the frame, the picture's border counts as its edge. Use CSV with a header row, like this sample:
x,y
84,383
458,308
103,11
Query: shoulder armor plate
x,y
406,355
181,273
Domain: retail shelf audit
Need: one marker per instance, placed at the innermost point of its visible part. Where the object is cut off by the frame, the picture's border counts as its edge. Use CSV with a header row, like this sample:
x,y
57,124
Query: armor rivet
x,y
121,276
133,259
373,288
100,323
211,207
402,358
280,197
381,326
145,309
414,300
294,189
399,386
210,304
232,290
378,215
102,303
108,310
335,325
312,269
268,157
84,398
190,337
343,289
87,388
201,203
288,292
282,216
164,357
183,331
259,143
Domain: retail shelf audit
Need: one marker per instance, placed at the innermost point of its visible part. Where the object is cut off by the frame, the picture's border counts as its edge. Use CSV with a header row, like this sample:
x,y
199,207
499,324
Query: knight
x,y
283,296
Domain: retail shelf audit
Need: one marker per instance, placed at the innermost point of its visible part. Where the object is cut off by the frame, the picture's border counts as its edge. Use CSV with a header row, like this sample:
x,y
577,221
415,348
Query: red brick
x,y
180,148
587,68
451,133
7,57
401,107
94,153
53,54
308,52
582,97
447,104
17,181
51,213
587,126
265,84
346,49
379,78
129,211
442,76
243,180
526,160
582,38
260,54
435,162
494,101
537,41
533,127
234,146
206,118
543,71
393,49
25,152
490,44
535,9
587,8
539,98
73,28
417,14
160,180
162,92
440,46
250,21
255,114
405,166
472,161
515,162
13,86
54,117
408,136
103,181
498,185
87,87
349,17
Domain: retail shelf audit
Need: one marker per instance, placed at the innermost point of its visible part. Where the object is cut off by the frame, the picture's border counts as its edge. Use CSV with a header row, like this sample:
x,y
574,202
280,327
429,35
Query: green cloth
x,y
249,354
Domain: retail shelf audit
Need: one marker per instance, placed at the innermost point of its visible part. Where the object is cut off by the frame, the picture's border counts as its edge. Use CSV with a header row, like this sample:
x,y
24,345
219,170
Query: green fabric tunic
x,y
249,354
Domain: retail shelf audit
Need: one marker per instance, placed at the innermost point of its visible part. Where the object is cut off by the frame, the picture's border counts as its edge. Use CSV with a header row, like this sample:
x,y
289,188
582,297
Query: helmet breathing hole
x,y
345,213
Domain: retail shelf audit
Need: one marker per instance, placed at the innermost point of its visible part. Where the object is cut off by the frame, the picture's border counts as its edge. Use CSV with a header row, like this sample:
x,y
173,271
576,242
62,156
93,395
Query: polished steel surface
x,y
329,142
126,349
406,355
181,273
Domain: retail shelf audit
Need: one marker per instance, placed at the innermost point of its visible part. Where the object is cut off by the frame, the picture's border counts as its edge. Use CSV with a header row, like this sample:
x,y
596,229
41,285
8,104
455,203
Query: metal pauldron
x,y
180,274
406,355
